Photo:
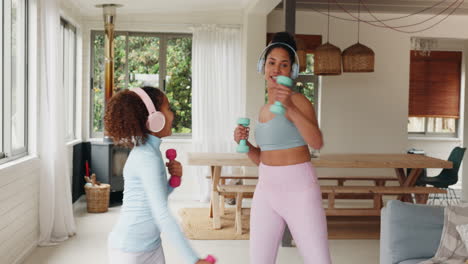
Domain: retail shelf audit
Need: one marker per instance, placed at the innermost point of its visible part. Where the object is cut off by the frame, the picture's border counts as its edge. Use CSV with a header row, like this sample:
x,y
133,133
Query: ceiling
x,y
385,6
148,7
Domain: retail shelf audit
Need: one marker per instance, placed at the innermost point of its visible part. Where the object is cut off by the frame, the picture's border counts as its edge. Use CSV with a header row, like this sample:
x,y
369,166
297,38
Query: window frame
x,y
163,40
7,153
74,90
448,135
426,134
313,79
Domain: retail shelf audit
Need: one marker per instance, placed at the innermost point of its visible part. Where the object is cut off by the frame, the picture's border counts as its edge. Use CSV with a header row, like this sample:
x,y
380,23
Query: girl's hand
x,y
241,132
201,261
174,167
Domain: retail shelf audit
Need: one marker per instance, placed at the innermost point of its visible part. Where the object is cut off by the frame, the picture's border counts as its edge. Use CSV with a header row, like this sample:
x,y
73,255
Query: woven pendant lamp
x,y
327,60
327,57
358,57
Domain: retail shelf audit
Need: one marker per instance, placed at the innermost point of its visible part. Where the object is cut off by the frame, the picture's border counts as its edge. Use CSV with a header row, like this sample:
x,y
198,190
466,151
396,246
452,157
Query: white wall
x,y
19,180
253,42
69,12
19,193
367,112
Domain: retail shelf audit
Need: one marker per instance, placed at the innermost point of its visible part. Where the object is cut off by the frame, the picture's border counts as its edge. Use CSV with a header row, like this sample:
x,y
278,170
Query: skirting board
x,y
23,256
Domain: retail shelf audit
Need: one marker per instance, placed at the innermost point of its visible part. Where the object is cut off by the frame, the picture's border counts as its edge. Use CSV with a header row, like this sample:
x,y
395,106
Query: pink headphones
x,y
156,119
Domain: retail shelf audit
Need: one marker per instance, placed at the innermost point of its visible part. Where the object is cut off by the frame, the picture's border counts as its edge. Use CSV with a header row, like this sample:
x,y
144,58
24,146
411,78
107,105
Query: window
x,y
141,59
13,77
68,63
434,100
307,83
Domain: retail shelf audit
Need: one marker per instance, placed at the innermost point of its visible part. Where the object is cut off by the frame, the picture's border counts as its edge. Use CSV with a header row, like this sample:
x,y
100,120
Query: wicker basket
x,y
97,198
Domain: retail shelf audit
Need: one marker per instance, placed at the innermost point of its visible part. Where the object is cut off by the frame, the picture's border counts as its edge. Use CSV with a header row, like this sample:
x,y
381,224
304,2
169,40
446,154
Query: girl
x,y
288,191
140,118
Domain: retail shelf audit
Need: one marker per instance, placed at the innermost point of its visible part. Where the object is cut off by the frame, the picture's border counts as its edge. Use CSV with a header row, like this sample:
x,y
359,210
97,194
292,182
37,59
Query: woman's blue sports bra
x,y
278,133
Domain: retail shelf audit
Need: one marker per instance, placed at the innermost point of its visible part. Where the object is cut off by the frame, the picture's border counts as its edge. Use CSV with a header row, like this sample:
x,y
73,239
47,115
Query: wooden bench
x,y
240,191
222,181
376,191
332,191
378,181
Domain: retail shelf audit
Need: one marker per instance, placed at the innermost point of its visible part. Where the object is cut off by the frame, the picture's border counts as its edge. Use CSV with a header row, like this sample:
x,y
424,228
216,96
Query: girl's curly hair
x,y
126,115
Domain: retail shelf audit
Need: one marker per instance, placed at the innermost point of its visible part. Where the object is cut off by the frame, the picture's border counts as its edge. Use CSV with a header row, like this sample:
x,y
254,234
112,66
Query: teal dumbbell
x,y
243,147
277,107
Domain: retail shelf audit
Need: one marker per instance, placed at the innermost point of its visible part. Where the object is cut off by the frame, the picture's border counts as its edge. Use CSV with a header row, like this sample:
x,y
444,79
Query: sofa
x,y
409,233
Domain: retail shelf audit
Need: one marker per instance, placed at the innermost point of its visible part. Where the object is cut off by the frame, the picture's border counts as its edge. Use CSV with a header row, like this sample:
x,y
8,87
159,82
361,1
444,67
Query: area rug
x,y
198,226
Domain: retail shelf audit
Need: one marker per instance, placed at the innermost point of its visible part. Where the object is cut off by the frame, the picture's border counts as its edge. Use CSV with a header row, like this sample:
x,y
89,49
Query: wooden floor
x,y
353,227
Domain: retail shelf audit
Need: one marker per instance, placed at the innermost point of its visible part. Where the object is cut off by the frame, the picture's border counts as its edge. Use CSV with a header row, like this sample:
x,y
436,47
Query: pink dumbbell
x,y
174,181
211,259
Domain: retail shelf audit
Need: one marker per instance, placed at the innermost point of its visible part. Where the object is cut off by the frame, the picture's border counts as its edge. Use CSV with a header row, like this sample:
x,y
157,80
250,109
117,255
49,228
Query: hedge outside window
x,y
140,59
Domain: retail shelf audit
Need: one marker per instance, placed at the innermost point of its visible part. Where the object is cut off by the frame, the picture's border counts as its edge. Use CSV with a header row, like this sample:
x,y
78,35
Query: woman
x,y
288,191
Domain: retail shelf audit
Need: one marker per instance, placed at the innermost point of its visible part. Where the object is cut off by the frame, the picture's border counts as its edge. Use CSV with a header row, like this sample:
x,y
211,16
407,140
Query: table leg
x,y
422,198
401,175
215,198
412,178
222,200
211,208
211,198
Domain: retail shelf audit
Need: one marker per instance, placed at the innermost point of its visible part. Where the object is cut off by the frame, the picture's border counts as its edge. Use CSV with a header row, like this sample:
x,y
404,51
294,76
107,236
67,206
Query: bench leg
x,y
238,223
331,201
380,183
378,203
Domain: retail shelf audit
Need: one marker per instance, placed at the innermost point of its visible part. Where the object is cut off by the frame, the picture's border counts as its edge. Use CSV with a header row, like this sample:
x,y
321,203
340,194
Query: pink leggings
x,y
288,195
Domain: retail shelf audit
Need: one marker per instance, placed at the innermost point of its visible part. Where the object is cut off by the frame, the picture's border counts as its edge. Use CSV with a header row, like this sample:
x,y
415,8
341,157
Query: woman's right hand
x,y
241,132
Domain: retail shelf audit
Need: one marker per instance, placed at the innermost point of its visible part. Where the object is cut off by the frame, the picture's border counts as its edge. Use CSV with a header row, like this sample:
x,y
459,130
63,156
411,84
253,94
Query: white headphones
x,y
294,67
156,119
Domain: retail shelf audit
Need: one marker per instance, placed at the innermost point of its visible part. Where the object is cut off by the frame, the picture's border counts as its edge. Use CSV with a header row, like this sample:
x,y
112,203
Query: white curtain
x,y
217,97
55,202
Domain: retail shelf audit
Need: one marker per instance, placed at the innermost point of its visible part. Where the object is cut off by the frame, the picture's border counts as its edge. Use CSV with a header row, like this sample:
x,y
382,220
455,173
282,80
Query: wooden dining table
x,y
398,162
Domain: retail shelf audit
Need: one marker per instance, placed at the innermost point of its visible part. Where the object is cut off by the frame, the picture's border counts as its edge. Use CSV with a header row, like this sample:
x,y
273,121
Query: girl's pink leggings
x,y
288,195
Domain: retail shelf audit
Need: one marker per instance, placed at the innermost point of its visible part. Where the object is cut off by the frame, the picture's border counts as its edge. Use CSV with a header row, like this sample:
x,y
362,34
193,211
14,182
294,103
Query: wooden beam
x,y
289,9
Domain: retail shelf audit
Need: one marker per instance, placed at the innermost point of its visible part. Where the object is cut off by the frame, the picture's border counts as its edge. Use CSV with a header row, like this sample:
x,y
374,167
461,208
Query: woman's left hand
x,y
174,167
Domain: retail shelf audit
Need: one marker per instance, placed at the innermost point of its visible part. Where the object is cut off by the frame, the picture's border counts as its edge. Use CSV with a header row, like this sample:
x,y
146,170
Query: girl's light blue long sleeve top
x,y
145,213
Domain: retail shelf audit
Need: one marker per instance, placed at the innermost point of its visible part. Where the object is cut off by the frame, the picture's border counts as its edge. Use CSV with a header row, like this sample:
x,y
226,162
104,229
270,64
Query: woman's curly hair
x,y
126,115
